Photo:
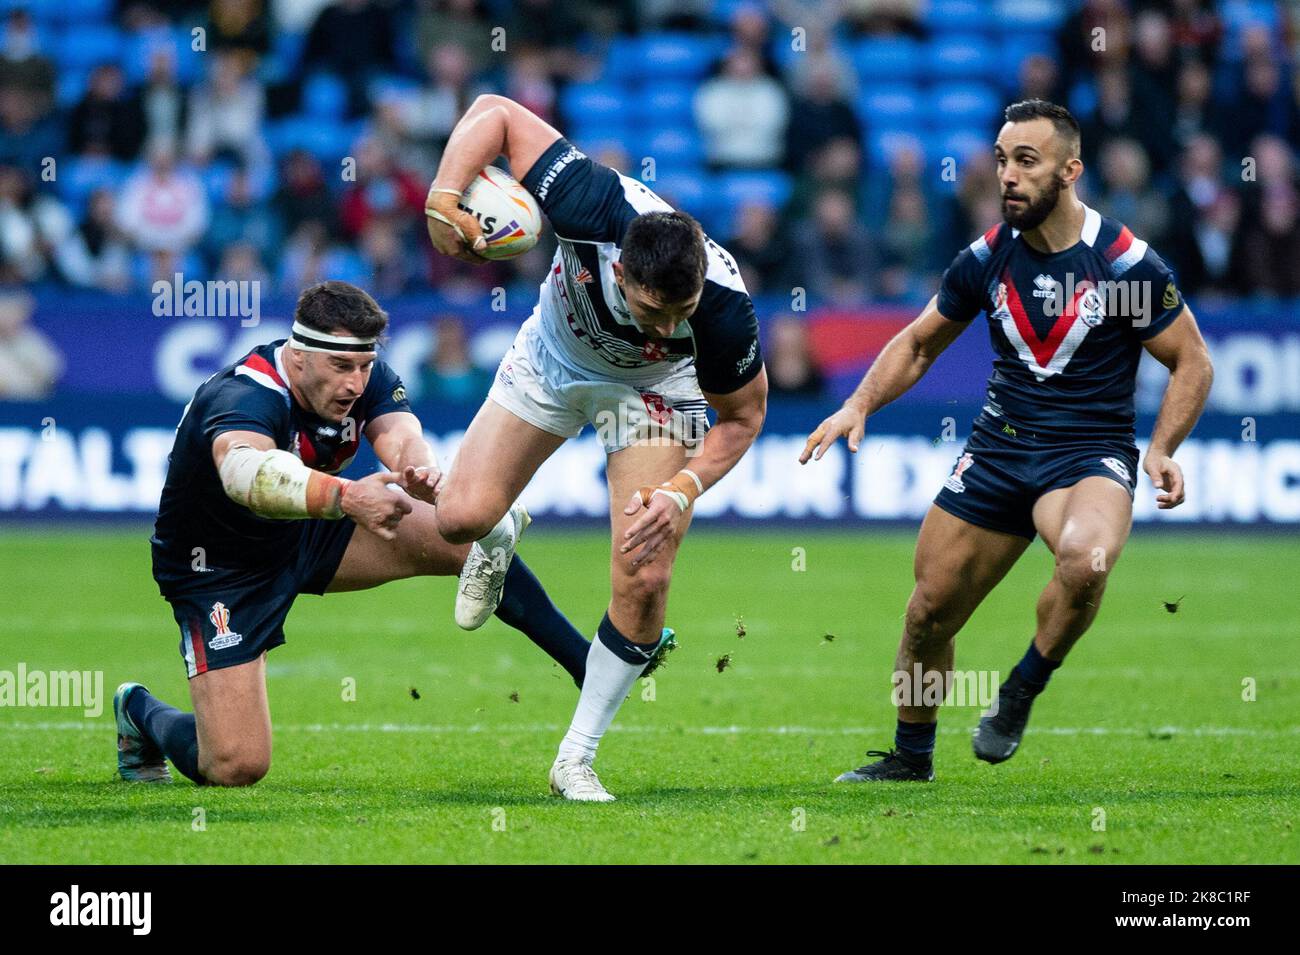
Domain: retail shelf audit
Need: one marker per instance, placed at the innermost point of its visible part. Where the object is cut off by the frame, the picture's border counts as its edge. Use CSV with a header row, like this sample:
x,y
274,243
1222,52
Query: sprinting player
x,y
1072,298
643,323
252,516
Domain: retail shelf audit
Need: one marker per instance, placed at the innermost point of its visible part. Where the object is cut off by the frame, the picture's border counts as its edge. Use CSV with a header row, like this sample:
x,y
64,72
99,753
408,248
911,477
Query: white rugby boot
x,y
573,778
484,575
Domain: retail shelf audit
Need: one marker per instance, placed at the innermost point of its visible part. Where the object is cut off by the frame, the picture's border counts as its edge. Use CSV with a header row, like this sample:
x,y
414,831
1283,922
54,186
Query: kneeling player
x,y
252,515
1072,299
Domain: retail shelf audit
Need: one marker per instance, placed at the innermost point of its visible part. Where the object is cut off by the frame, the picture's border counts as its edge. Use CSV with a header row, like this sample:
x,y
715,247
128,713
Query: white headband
x,y
309,339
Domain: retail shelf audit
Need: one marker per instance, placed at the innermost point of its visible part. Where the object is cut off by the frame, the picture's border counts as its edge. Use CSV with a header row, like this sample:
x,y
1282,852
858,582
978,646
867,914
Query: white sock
x,y
604,688
500,536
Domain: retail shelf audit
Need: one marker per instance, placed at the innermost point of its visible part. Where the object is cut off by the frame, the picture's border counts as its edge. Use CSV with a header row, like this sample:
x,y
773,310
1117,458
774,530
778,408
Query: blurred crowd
x,y
219,170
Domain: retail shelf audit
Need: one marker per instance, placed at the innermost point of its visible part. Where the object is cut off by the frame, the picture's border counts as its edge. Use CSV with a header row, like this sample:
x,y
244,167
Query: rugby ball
x,y
506,212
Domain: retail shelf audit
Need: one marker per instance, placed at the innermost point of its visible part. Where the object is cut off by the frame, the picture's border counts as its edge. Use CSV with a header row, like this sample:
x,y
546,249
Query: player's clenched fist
x,y
374,505
844,423
453,231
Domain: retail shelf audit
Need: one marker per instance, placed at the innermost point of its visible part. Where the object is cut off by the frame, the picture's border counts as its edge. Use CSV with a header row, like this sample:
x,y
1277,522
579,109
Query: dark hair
x,y
664,252
329,306
1067,127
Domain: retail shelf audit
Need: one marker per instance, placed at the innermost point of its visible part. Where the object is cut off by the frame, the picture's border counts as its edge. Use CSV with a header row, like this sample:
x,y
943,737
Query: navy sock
x,y
619,645
915,739
170,729
1035,669
525,606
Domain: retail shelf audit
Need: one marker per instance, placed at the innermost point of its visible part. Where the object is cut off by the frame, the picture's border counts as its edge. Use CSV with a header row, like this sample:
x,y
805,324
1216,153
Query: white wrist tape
x,y
677,497
272,484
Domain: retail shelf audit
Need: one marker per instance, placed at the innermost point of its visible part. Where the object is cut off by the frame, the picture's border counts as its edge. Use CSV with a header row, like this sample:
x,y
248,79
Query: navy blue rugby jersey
x,y
250,395
1067,327
583,316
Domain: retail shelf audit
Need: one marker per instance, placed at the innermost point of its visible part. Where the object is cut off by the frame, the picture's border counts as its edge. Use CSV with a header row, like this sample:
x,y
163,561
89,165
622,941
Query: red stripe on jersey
x,y
306,450
991,237
1120,245
1043,348
196,644
258,363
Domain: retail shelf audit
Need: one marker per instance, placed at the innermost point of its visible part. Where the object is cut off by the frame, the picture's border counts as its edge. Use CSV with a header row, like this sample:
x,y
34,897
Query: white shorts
x,y
532,384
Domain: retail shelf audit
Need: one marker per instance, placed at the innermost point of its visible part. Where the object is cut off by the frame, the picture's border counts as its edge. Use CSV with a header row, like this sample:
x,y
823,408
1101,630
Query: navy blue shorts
x,y
231,617
999,477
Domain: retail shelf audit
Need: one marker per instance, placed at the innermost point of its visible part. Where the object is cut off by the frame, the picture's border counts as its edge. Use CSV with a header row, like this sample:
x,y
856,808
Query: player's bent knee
x,y
235,769
924,624
1082,570
464,523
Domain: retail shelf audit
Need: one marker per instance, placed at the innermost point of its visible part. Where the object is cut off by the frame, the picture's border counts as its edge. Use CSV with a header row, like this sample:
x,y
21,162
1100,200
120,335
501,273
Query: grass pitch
x,y
1144,731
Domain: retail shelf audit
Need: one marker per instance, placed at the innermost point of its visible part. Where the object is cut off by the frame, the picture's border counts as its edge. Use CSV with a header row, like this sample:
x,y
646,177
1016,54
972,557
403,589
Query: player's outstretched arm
x,y
897,368
275,484
398,440
740,418
492,126
1181,349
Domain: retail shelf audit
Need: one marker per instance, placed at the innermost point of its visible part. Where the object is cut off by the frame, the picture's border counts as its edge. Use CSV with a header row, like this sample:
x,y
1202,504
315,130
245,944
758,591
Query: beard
x,y
1035,213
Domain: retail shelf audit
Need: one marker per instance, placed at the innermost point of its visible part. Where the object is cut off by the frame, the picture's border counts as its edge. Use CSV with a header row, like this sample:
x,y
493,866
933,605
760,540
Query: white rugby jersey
x,y
583,316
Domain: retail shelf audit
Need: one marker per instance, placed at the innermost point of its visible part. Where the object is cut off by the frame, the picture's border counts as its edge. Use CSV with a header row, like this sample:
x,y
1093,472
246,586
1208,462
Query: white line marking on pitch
x,y
447,729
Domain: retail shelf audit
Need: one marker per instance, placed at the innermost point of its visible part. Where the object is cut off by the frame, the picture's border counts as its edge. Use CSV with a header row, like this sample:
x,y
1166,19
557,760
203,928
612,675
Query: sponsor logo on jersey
x,y
1119,467
954,482
507,374
572,154
225,637
399,393
1170,298
749,357
583,277
654,350
1045,287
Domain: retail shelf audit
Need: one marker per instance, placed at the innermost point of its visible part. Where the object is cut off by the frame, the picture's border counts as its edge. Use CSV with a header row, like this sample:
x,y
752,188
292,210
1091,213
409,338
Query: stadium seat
x,y
70,87
958,16
961,143
88,46
589,104
887,59
139,49
962,58
890,106
324,96
661,56
327,140
671,147
766,186
1016,48
884,144
79,176
962,104
1018,16
664,104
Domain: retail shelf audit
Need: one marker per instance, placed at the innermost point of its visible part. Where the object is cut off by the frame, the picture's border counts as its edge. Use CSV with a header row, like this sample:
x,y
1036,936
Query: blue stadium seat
x,y
962,104
684,188
70,87
891,106
961,143
672,147
327,140
766,186
216,180
324,96
79,176
595,139
596,103
959,16
88,46
888,59
1016,47
664,104
1015,16
661,56
962,58
884,144
190,64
